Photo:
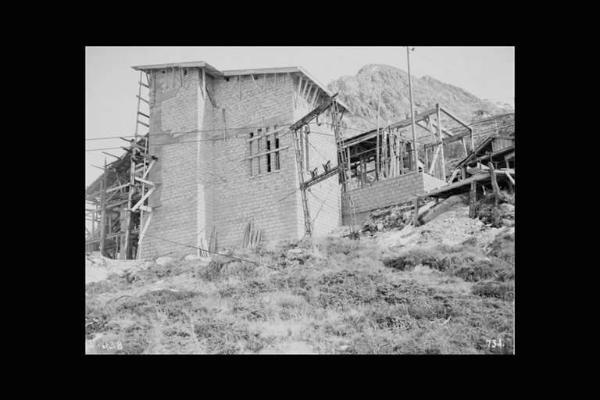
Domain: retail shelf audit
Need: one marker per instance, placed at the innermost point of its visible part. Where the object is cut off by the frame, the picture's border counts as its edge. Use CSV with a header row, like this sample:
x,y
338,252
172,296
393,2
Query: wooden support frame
x,y
103,213
141,200
442,158
142,234
434,160
495,186
472,199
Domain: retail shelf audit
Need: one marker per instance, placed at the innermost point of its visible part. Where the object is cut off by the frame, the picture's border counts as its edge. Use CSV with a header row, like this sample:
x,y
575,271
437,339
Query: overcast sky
x,y
111,84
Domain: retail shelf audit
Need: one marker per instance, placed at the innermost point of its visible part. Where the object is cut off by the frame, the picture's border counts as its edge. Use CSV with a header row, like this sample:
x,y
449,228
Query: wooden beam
x,y
307,89
313,114
118,187
434,126
495,187
442,159
448,113
126,240
510,178
332,172
141,201
416,214
301,84
456,185
264,153
148,169
144,181
103,215
116,204
142,234
434,160
454,175
314,96
112,155
142,99
472,199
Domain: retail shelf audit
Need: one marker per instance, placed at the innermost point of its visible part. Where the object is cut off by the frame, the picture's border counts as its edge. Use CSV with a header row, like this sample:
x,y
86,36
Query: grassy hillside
x,y
445,287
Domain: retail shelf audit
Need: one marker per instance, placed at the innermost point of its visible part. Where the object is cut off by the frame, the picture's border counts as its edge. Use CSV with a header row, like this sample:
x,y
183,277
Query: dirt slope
x,y
444,287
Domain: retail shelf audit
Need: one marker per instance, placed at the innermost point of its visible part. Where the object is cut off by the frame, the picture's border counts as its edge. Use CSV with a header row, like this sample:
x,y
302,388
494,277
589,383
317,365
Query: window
x,y
267,159
268,143
250,144
276,154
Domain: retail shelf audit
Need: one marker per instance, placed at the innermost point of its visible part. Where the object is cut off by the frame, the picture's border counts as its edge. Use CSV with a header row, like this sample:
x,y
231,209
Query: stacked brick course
x,y
386,193
203,172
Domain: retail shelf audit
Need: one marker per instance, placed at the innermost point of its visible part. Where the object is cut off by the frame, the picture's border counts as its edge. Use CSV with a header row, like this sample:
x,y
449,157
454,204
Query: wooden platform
x,y
464,185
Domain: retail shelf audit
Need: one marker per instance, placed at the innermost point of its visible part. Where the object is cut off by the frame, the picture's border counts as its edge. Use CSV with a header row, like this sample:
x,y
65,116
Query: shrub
x,y
499,290
463,261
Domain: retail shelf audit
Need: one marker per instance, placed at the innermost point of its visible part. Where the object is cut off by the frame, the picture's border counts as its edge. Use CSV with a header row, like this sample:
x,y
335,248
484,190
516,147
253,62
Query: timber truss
x,y
387,152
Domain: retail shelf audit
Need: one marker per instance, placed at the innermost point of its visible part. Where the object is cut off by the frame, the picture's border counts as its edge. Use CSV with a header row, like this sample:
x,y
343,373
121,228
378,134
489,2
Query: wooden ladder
x,y
139,187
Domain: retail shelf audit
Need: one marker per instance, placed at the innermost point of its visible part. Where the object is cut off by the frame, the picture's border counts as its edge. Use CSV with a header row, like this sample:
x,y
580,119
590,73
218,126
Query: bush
x,y
463,261
503,247
499,290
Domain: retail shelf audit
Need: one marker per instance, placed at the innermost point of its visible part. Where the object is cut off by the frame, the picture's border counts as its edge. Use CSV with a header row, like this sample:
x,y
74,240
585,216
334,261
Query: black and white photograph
x,y
299,200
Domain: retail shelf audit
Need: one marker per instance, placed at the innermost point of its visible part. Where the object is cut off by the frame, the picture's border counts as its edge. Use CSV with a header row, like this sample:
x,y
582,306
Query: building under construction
x,y
224,159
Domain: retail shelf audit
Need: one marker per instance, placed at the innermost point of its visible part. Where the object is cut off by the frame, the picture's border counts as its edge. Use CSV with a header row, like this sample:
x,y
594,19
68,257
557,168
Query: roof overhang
x,y
191,64
284,70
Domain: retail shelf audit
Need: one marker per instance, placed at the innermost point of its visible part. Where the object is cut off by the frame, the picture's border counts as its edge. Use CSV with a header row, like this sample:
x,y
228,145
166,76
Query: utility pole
x,y
412,112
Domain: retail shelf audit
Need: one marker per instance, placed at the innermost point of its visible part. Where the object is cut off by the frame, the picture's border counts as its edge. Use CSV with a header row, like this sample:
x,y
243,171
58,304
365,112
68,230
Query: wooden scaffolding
x,y
117,202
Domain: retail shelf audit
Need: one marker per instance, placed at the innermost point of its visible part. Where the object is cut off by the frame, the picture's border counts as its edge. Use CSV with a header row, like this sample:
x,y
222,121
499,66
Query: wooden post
x,y
402,144
472,140
472,199
93,225
348,177
126,238
511,188
103,211
495,187
363,177
414,158
439,123
297,144
416,215
377,157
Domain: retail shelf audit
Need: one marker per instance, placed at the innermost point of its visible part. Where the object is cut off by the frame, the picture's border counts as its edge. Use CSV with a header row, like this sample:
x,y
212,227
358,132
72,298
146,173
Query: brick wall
x,y
176,107
204,176
431,182
386,193
243,105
